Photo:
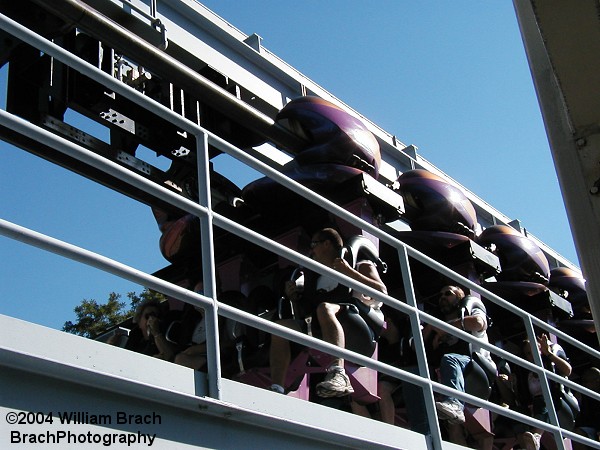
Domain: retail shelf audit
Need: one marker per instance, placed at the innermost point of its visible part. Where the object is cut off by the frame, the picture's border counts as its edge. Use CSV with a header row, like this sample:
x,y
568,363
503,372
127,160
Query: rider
x,y
467,313
328,301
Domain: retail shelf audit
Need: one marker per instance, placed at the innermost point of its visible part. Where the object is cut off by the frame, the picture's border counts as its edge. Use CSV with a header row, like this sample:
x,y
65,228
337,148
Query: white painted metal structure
x,y
562,44
196,410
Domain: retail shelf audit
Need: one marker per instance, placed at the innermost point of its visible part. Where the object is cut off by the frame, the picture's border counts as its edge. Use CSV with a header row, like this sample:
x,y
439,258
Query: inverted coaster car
x,y
333,135
434,204
571,285
520,257
523,279
340,161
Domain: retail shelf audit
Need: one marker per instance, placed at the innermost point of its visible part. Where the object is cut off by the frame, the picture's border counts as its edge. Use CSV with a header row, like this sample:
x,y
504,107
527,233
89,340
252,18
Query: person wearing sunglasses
x,y
148,336
327,301
454,354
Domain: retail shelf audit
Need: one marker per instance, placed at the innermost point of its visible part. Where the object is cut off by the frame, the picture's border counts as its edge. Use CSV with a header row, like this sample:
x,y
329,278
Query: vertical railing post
x,y
208,268
415,325
544,383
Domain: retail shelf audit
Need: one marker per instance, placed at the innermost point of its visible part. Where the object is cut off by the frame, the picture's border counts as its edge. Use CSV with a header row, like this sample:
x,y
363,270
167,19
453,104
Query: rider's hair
x,y
329,234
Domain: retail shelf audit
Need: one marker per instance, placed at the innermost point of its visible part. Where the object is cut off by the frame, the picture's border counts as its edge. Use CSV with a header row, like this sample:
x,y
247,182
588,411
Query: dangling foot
x,y
450,411
336,384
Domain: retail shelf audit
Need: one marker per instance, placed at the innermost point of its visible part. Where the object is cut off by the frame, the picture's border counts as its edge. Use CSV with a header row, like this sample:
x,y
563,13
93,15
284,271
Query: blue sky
x,y
449,77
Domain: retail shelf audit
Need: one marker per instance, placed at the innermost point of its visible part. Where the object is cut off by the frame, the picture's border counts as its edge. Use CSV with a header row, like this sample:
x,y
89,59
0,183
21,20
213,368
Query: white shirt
x,y
199,334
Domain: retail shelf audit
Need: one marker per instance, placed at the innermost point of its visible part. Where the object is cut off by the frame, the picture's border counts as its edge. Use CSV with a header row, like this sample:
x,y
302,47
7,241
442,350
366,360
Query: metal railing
x,y
209,219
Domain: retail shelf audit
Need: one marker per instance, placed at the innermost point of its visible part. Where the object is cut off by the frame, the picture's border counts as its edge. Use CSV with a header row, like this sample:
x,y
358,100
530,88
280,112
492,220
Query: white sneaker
x,y
532,440
450,411
336,384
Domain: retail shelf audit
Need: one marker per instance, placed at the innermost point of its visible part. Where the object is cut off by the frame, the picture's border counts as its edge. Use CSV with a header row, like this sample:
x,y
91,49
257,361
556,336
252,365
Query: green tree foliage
x,y
94,318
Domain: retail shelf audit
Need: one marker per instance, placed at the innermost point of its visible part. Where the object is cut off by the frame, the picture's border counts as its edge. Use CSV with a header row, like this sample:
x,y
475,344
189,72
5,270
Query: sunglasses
x,y
447,294
148,315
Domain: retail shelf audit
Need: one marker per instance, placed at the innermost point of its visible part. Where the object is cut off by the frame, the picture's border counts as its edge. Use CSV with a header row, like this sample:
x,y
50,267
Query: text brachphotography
x,y
68,437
